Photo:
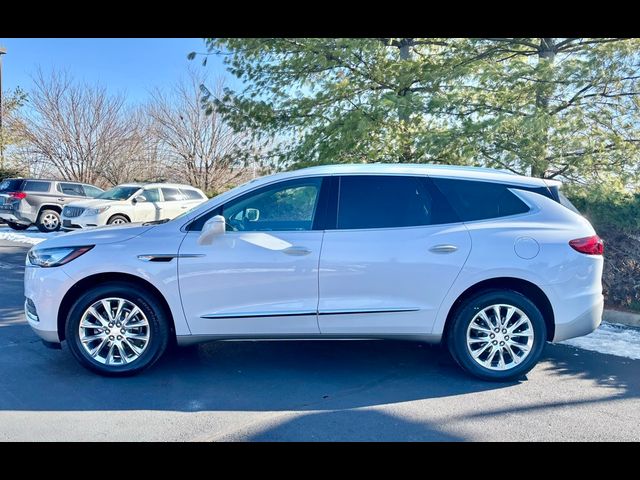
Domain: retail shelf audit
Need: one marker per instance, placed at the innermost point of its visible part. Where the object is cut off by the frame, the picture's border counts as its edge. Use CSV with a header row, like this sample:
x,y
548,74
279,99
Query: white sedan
x,y
132,203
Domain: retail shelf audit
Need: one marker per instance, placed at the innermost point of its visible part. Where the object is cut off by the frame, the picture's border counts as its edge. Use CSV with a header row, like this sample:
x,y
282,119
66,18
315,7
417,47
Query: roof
x,y
445,171
157,184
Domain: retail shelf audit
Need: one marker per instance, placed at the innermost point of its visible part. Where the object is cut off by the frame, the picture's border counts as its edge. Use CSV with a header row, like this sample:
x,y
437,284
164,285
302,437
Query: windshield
x,y
118,193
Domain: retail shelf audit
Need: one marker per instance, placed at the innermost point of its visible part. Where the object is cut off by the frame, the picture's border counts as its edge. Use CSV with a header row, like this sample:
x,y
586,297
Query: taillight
x,y
590,245
18,195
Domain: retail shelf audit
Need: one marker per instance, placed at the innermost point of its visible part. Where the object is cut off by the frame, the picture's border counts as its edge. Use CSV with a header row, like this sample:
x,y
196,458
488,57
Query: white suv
x,y
132,203
491,264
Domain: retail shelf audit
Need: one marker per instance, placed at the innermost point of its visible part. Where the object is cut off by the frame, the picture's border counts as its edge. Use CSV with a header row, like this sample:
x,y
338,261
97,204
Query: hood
x,y
94,202
97,235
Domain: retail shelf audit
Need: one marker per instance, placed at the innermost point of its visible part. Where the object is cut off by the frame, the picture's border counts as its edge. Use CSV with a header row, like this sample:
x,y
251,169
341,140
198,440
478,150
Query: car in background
x,y
132,202
28,201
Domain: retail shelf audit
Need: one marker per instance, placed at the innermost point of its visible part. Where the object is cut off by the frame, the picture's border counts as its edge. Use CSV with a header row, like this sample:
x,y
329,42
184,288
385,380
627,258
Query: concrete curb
x,y
625,318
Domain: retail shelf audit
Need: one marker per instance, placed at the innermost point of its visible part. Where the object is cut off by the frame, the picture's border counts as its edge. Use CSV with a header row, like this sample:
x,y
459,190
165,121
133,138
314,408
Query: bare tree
x,y
76,130
202,149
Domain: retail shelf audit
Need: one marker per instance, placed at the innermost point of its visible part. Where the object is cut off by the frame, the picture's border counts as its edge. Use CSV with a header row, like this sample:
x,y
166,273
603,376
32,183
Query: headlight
x,y
54,257
96,211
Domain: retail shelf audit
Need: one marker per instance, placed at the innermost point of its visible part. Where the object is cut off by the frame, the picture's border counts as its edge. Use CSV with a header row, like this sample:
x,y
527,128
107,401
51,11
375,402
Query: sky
x,y
132,66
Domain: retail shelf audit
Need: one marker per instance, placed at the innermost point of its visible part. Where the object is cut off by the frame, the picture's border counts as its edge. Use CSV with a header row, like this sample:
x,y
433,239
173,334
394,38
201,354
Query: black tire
x,y
158,322
118,219
17,226
457,335
44,222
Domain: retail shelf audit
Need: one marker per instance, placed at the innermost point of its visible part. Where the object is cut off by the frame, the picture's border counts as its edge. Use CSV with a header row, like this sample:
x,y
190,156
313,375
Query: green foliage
x,y
607,206
565,108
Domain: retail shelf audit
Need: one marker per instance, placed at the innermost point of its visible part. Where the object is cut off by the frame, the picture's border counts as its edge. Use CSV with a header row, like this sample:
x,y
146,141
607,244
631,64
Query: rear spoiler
x,y
552,183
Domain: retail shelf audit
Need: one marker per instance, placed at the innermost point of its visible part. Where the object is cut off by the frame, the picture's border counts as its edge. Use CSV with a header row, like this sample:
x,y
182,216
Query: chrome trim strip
x,y
361,311
152,256
305,313
258,314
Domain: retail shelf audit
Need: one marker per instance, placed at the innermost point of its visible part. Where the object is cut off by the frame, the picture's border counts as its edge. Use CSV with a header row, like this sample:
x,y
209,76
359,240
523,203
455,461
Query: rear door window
x,y
152,195
191,194
477,200
36,186
379,201
73,189
172,194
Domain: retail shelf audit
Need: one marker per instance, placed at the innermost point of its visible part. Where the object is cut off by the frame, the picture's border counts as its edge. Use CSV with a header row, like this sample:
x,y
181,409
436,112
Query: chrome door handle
x,y
299,251
443,248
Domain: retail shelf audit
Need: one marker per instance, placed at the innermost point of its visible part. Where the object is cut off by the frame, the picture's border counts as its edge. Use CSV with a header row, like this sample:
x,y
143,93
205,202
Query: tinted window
x,y
373,201
71,189
474,200
286,206
152,195
191,194
172,194
10,185
564,201
91,191
36,186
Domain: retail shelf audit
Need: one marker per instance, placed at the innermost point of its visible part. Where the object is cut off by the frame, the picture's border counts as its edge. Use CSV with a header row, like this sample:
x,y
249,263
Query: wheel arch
x,y
526,288
49,206
118,214
82,285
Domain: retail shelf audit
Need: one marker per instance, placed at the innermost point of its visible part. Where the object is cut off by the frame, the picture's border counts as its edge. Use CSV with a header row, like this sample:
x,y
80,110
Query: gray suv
x,y
24,202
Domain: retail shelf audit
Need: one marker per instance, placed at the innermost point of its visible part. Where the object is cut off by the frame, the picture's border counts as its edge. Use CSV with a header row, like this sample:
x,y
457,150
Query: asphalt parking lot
x,y
292,391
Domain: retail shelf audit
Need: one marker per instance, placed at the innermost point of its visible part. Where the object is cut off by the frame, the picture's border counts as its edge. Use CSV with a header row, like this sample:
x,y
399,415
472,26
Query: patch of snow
x,y
30,236
612,339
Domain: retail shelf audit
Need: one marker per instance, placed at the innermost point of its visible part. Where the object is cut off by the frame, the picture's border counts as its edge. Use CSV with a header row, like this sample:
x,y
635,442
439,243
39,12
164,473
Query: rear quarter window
x,y
36,186
476,200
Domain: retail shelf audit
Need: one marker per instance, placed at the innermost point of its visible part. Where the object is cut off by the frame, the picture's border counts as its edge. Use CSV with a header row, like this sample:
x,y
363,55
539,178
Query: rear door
x,y
70,192
395,251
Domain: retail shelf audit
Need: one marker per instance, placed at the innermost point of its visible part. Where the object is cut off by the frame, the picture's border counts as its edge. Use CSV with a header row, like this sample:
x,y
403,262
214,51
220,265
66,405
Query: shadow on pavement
x,y
239,376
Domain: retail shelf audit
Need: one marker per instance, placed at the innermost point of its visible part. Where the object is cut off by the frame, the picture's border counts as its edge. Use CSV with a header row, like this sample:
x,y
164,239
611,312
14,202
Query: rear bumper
x,y
583,324
14,217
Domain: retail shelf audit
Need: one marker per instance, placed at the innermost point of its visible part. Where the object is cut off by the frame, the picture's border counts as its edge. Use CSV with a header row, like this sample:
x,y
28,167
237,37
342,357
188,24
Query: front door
x,y
395,253
261,276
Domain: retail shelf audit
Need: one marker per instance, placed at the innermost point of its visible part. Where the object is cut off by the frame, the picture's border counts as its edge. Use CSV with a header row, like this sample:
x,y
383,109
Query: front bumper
x,y
83,221
45,287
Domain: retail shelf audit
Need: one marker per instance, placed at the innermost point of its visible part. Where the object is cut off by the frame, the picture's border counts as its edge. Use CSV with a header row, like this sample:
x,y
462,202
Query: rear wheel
x,y
17,226
497,335
118,220
117,329
48,221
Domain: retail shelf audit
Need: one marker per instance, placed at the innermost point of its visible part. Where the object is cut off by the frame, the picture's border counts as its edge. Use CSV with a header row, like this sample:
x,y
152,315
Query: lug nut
x,y
501,343
118,324
506,337
110,337
492,336
495,342
504,330
110,325
497,330
122,330
119,337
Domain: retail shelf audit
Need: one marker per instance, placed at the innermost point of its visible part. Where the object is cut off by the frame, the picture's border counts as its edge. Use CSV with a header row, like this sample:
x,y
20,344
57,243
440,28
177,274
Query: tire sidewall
x,y
158,326
458,335
41,226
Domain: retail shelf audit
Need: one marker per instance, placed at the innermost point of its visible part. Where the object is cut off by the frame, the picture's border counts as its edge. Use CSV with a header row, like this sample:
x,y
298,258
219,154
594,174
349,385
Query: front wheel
x,y
497,335
117,329
118,220
17,226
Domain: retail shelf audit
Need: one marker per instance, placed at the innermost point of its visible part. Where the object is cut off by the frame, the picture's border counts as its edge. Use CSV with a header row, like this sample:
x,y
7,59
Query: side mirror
x,y
139,198
252,214
214,227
